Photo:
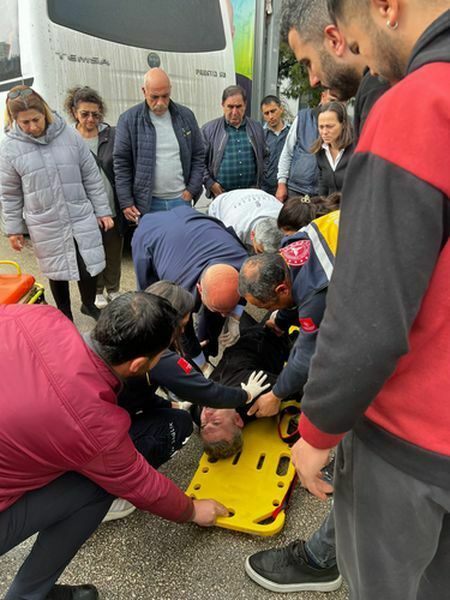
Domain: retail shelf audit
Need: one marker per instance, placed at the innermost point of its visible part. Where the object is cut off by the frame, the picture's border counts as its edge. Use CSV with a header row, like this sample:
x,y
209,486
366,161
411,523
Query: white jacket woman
x,y
50,185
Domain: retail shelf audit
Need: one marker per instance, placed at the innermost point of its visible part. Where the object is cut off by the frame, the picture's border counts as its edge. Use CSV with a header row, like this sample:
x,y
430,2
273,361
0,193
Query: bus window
x,y
164,25
9,41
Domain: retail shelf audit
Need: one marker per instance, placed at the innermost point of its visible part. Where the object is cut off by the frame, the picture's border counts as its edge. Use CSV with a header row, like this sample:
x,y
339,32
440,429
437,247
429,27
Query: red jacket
x,y
382,365
58,413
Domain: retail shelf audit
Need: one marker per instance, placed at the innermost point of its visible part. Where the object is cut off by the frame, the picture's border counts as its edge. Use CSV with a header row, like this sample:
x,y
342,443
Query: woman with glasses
x,y
50,185
87,109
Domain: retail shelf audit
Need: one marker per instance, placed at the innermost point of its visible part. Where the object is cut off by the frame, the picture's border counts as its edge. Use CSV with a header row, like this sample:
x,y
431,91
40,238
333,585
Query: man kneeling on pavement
x,y
65,442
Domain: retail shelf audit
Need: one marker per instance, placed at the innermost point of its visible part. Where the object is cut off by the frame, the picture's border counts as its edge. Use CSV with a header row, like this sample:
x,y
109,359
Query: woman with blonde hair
x,y
50,186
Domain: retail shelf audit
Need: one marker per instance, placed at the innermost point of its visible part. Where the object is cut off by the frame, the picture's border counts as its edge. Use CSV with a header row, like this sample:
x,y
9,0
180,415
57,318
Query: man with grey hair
x,y
297,277
319,45
158,152
253,215
235,147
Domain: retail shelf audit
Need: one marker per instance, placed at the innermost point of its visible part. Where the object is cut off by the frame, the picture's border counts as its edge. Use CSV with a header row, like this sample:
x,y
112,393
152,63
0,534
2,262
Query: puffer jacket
x,y
52,185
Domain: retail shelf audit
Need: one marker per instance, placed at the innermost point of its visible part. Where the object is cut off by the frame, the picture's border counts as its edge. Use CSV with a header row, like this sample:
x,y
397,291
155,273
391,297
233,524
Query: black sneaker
x,y
73,592
90,311
287,570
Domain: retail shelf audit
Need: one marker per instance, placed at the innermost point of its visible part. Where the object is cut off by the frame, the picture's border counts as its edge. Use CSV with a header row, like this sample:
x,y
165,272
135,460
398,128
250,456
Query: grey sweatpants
x,y
392,530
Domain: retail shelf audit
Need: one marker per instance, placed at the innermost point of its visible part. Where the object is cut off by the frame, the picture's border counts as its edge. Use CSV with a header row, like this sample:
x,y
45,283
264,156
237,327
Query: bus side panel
x,y
60,58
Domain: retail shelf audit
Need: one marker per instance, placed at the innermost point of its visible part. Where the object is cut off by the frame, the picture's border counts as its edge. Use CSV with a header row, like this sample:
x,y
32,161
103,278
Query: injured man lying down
x,y
258,349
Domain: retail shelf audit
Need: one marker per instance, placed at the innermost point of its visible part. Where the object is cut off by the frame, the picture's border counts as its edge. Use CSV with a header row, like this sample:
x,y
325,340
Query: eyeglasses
x,y
84,114
19,93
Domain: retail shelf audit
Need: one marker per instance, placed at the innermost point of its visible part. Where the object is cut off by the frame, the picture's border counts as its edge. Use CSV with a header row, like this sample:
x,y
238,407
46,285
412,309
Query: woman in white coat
x,y
50,185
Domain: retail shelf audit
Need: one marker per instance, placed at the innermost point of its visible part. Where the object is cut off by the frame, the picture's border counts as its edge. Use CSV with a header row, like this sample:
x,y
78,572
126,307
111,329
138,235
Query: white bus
x,y
109,45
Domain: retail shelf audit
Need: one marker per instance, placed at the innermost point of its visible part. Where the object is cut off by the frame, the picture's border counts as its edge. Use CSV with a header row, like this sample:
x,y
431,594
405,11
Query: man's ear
x,y
199,288
143,90
388,9
334,40
238,421
283,289
136,365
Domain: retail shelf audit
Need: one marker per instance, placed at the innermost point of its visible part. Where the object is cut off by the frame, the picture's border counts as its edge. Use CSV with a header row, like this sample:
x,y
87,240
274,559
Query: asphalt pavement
x,y
143,557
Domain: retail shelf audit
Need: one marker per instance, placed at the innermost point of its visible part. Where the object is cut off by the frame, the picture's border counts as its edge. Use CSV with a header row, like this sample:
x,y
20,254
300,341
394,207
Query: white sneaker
x,y
114,295
100,301
120,508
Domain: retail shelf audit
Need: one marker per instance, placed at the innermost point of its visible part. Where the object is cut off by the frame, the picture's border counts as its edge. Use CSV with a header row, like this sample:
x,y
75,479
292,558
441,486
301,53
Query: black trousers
x,y
65,513
159,433
87,286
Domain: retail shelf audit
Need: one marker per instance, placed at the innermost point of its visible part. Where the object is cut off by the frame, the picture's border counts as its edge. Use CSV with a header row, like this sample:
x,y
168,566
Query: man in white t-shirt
x,y
252,214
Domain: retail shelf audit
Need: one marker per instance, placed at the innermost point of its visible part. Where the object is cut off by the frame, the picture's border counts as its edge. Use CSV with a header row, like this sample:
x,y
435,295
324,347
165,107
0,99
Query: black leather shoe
x,y
73,592
90,311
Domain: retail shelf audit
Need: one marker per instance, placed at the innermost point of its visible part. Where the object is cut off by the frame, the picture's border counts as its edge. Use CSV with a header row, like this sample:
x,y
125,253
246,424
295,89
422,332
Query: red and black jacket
x,y
382,366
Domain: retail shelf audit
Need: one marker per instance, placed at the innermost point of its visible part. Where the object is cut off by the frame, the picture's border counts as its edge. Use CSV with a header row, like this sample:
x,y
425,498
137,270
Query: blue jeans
x,y
159,204
321,546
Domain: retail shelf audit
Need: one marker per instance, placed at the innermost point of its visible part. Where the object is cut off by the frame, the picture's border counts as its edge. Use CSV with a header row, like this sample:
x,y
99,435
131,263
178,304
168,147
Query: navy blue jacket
x,y
134,154
179,244
310,263
177,375
275,145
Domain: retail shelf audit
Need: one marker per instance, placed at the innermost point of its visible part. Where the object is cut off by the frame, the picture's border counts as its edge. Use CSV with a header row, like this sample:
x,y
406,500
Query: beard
x,y
342,80
388,56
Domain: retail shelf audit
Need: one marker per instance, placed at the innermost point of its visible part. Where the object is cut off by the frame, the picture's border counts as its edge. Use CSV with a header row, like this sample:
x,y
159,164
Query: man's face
x,y
325,69
157,98
377,46
272,114
234,110
219,424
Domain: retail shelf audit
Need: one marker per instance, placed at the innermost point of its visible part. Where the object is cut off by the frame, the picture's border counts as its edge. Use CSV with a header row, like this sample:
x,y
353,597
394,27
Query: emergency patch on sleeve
x,y
297,253
185,365
307,325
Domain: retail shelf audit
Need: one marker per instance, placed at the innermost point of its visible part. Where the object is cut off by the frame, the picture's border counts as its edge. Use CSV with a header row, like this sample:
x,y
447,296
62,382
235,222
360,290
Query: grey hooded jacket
x,y
52,185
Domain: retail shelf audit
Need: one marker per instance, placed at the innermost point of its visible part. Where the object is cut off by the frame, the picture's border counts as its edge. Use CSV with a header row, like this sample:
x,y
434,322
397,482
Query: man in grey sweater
x,y
158,152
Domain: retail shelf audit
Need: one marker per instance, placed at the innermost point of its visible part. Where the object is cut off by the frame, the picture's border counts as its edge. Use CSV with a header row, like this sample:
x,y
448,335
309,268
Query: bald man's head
x,y
218,288
157,90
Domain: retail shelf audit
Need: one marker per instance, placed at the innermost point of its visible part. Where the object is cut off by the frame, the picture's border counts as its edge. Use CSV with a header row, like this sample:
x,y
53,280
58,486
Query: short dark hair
x,y
347,137
299,211
308,17
222,448
135,324
233,90
261,274
337,8
269,99
79,94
